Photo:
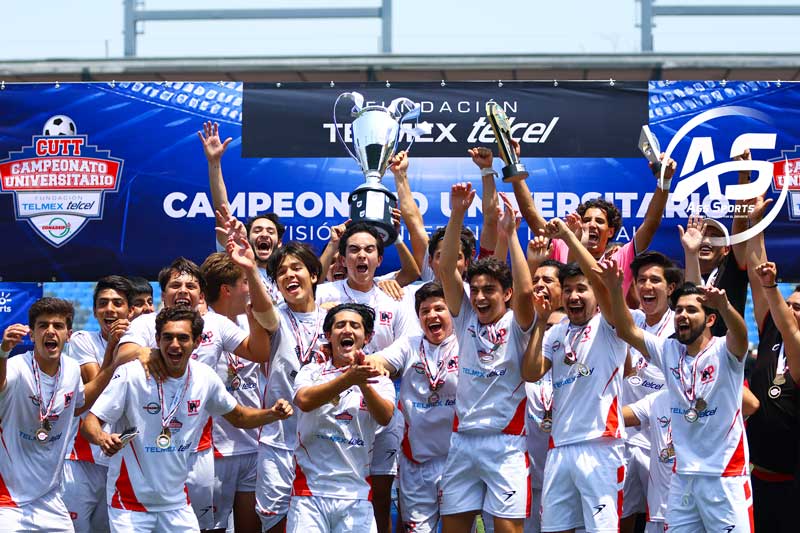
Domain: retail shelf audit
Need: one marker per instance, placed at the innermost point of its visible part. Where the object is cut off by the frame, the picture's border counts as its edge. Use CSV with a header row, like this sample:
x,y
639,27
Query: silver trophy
x,y
649,146
514,170
376,133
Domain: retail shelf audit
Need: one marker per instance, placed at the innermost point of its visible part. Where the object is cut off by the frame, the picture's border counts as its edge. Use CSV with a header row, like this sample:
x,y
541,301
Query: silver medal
x,y
691,415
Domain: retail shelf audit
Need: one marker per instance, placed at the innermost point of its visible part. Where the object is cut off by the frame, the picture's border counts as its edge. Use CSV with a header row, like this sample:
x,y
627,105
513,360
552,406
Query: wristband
x,y
770,286
399,239
664,185
4,354
488,171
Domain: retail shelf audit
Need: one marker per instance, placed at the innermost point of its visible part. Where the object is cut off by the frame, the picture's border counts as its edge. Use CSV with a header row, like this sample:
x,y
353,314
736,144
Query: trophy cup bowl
x,y
514,170
648,145
376,133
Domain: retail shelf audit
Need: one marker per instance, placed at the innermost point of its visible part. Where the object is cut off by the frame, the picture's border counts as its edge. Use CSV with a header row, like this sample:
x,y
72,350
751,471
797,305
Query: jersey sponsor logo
x,y
175,425
556,345
418,368
59,182
647,384
707,375
152,408
182,447
598,509
193,407
68,399
338,439
344,417
385,318
31,438
428,405
776,347
508,494
675,372
707,412
664,421
571,379
482,374
34,400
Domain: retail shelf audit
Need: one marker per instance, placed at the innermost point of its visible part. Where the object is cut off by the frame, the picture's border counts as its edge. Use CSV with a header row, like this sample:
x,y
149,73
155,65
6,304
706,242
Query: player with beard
x,y
710,488
86,467
655,278
146,488
487,467
41,393
182,283
585,470
362,249
264,232
342,401
428,367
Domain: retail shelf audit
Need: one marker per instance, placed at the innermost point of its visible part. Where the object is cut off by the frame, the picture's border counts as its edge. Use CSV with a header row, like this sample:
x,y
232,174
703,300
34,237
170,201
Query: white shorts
x,y
200,485
47,513
583,486
654,527
419,490
487,472
274,478
713,503
637,474
533,524
177,521
236,473
83,489
318,514
387,446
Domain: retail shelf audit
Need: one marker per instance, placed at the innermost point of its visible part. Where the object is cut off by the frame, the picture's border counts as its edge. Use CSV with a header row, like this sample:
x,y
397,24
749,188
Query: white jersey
x,y
491,393
648,378
86,347
219,335
654,414
142,476
715,444
30,469
241,379
392,319
428,413
540,399
586,407
334,443
297,342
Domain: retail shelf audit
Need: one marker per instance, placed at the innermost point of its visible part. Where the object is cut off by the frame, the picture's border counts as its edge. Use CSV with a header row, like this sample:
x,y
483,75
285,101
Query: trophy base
x,y
373,203
514,172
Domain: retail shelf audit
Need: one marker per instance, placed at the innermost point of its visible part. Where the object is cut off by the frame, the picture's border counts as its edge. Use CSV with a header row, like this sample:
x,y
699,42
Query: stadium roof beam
x,y
650,9
133,14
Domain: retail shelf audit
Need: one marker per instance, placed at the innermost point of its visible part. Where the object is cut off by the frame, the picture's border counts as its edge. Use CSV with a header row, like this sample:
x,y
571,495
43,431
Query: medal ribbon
x,y
304,352
176,400
492,343
547,399
44,415
441,368
571,345
689,392
781,367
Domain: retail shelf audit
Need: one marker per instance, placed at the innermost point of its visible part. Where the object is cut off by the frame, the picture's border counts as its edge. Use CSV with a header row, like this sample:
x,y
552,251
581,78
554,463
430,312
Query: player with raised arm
x,y
146,488
584,472
86,467
487,467
711,487
342,402
41,393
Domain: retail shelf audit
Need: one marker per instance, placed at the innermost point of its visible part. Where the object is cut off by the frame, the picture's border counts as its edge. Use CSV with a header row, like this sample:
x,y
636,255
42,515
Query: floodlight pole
x,y
133,14
650,10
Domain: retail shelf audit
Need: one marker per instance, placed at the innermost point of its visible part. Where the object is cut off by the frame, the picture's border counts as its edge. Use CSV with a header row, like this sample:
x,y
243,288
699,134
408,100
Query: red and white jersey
x,y
392,319
648,378
297,342
219,335
142,476
715,444
334,443
491,393
30,469
243,385
586,407
86,347
428,413
654,414
540,398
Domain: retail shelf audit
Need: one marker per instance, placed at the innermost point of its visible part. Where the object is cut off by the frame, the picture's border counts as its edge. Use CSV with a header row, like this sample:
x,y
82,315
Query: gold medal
x,y
700,404
779,379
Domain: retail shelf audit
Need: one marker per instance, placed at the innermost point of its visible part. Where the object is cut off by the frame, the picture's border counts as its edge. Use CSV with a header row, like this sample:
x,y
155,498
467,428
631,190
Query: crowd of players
x,y
573,385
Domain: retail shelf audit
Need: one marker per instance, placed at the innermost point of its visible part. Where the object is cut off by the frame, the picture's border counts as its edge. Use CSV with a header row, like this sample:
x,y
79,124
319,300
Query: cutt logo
x,y
59,181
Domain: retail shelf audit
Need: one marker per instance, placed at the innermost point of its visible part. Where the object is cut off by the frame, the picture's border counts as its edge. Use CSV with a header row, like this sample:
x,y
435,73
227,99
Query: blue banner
x,y
102,178
15,299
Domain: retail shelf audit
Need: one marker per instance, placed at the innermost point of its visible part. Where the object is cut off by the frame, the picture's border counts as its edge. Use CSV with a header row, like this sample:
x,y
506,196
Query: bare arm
x,y
315,396
534,364
92,430
787,326
409,209
610,276
630,418
691,239
409,271
655,211
249,417
461,196
757,255
750,403
12,336
213,148
739,224
522,295
736,338
379,407
329,253
92,390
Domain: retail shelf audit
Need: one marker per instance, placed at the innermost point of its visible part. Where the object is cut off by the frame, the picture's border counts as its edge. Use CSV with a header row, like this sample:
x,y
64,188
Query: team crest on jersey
x,y
175,425
59,182
206,338
452,364
707,375
193,407
68,399
152,408
385,318
344,417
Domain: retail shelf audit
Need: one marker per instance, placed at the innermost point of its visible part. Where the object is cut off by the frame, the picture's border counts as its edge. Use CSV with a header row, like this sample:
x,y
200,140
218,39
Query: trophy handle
x,y
412,113
358,103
